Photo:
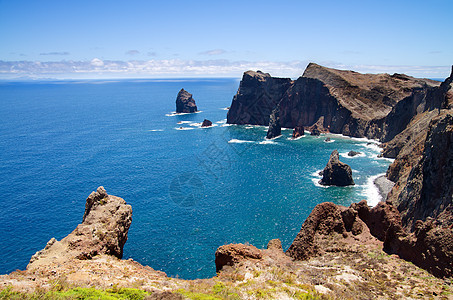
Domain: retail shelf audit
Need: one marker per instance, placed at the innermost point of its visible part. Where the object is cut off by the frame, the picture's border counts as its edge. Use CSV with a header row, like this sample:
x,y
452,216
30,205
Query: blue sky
x,y
131,38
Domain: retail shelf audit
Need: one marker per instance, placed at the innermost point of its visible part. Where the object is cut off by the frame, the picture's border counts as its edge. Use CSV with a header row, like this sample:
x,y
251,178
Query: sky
x,y
162,39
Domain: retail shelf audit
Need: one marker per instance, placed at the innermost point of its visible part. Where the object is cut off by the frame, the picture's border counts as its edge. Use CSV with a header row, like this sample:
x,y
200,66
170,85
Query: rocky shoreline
x,y
340,252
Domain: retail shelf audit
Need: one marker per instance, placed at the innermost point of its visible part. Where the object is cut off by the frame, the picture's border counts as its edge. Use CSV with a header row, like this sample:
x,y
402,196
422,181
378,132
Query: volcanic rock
x,y
336,172
185,103
103,230
351,103
317,128
234,253
298,132
206,123
353,153
275,129
257,96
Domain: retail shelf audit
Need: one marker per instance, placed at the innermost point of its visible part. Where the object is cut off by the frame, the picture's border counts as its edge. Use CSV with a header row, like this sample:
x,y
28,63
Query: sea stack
x,y
298,132
206,123
275,129
336,172
185,103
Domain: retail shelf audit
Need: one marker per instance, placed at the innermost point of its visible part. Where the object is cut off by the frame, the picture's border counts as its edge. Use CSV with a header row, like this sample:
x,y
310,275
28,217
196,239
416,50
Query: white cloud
x,y
97,62
213,52
97,68
132,52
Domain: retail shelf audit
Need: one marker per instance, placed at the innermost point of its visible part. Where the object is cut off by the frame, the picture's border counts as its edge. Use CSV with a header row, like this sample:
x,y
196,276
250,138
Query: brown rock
x,y
104,229
336,172
206,123
298,131
275,244
185,103
317,128
235,253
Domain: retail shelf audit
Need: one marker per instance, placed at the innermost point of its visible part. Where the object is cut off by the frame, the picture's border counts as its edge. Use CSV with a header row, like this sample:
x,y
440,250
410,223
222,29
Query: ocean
x,y
191,189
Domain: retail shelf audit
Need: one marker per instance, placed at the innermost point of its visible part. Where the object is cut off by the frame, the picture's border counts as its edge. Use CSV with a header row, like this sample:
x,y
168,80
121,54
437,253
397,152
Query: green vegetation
x,y
77,293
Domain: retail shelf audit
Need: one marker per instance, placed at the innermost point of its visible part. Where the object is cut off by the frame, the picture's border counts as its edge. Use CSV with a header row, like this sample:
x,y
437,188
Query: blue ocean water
x,y
192,189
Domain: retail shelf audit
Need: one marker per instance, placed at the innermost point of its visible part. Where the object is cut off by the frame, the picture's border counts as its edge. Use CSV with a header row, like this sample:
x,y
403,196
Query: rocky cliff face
x,y
350,103
104,229
185,103
257,96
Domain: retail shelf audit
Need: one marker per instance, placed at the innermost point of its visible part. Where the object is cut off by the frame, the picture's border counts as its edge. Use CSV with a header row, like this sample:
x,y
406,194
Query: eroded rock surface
x,y
103,230
206,123
336,172
185,103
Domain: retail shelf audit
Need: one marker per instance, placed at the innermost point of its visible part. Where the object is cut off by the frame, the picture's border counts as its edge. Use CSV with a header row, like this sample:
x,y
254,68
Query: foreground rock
x,y
104,229
336,172
206,123
185,103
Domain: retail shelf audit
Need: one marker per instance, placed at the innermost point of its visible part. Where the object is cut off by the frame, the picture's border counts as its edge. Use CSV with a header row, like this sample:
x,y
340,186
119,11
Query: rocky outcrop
x,y
185,103
336,172
328,225
234,253
275,129
103,230
351,103
298,132
257,96
206,123
353,153
318,127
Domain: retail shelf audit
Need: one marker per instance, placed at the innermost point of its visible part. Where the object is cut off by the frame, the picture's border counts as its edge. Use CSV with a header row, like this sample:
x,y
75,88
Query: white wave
x,y
225,108
236,141
221,121
184,122
195,124
316,174
329,141
297,138
226,125
184,128
249,127
173,113
372,146
391,160
268,142
213,125
371,191
316,183
345,154
155,130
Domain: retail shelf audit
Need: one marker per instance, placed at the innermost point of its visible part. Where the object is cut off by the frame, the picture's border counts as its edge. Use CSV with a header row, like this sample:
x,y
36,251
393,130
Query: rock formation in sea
x,y
185,103
206,123
336,172
298,132
103,230
353,153
257,96
275,129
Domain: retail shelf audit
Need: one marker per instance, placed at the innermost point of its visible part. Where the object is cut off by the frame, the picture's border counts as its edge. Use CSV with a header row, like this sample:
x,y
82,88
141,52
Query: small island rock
x,y
353,153
206,123
336,172
298,132
275,128
185,103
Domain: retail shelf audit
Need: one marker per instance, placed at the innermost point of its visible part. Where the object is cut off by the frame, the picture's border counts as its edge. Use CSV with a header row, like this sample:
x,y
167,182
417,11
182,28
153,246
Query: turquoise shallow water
x,y
191,189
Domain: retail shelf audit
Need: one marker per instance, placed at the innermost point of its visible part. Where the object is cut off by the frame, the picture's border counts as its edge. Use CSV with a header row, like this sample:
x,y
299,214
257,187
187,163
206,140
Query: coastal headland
x,y
401,248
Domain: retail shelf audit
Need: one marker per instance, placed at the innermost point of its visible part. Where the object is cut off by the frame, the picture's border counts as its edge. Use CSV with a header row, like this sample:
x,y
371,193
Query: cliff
x,y
342,259
351,103
257,96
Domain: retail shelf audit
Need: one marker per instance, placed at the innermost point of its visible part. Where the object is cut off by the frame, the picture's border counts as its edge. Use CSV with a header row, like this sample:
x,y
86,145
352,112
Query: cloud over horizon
x,y
97,68
213,52
55,53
